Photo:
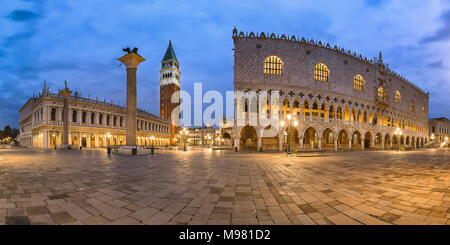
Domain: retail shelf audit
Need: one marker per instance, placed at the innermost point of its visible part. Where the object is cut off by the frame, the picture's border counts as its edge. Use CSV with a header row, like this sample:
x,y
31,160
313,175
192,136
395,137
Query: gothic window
x,y
423,110
397,97
411,106
358,82
381,93
273,65
321,72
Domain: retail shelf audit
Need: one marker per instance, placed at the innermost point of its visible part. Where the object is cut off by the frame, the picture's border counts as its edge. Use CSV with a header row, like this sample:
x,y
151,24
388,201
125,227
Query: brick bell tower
x,y
169,83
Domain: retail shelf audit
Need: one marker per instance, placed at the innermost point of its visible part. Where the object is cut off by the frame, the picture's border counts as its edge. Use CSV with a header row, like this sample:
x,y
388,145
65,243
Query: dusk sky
x,y
80,41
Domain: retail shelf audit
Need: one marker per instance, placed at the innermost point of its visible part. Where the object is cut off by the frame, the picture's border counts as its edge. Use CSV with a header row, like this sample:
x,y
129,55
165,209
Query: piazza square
x,y
270,119
219,187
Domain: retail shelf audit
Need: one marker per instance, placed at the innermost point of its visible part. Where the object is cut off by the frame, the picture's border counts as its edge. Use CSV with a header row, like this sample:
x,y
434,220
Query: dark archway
x,y
367,139
248,138
327,139
343,139
310,138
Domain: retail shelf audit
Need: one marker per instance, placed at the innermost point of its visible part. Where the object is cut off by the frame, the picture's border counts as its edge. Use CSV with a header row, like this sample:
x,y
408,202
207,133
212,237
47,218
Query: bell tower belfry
x,y
169,78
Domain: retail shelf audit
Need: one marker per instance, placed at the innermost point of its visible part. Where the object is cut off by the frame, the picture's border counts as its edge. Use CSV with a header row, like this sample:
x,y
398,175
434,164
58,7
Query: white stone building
x,y
92,123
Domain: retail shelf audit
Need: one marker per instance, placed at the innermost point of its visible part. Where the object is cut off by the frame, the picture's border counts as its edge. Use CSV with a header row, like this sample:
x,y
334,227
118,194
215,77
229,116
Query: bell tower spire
x,y
169,80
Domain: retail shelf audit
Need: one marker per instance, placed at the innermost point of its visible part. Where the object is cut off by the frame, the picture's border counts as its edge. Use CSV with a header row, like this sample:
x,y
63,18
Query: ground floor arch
x,y
310,138
343,139
356,140
248,138
367,140
328,139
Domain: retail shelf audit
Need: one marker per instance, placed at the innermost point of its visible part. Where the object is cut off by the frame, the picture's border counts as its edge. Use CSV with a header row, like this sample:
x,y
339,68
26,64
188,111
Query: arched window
x,y
423,111
411,106
397,97
321,72
273,65
358,82
381,93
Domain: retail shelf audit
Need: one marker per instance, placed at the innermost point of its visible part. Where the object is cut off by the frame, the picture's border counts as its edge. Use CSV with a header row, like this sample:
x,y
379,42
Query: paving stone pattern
x,y
223,187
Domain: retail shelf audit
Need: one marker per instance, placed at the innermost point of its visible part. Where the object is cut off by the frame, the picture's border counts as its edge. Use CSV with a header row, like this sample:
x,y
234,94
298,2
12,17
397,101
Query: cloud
x,y
443,33
22,15
79,41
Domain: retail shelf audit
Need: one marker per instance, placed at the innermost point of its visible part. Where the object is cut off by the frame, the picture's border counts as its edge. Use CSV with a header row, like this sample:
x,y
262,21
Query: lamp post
x,y
399,133
289,122
184,134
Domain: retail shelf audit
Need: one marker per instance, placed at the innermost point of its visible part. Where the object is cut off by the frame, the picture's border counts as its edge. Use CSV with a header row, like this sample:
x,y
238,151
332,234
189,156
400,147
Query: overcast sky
x,y
79,41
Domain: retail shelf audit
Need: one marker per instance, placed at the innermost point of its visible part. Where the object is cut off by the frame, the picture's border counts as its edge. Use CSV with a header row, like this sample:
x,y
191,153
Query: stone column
x,y
259,144
382,143
280,141
131,61
66,96
362,144
350,144
319,143
335,144
45,139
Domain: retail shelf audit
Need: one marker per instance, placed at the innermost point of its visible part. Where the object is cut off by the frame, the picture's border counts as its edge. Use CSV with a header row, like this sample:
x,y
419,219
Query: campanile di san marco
x,y
169,84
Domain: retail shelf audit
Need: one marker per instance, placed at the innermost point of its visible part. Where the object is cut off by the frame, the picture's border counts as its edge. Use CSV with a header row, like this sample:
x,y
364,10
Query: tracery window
x,y
381,93
411,106
358,82
397,97
321,72
423,111
273,65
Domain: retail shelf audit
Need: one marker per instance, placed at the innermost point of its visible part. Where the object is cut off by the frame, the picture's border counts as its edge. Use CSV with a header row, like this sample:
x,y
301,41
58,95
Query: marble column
x,y
131,61
66,96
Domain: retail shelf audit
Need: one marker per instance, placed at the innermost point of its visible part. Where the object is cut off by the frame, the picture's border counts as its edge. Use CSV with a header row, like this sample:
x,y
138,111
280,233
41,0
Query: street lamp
x,y
184,134
289,123
399,133
432,136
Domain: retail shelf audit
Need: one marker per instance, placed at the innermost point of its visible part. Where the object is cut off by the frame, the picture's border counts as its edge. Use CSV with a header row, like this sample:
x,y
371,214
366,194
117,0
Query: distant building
x,y
339,99
92,123
439,129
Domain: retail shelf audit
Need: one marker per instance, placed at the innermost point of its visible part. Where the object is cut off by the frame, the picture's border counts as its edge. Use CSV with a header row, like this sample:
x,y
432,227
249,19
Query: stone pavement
x,y
214,187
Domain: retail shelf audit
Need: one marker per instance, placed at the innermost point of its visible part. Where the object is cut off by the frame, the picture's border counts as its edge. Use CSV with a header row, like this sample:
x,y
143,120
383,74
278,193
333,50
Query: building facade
x,y
338,99
439,129
169,83
92,123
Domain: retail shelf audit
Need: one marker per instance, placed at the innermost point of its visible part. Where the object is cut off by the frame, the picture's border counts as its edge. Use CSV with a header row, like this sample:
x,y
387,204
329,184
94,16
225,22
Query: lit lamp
x,y
432,137
184,134
289,123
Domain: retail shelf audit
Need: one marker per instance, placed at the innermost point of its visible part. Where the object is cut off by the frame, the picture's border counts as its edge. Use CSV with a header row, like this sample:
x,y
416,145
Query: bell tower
x,y
169,78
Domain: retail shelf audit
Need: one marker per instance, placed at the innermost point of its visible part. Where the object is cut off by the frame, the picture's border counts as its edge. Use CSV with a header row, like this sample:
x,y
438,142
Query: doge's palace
x,y
330,97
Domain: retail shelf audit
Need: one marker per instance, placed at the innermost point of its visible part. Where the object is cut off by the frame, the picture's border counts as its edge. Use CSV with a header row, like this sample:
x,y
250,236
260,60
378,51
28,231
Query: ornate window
x,y
411,106
397,97
358,82
423,111
273,65
381,93
321,72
